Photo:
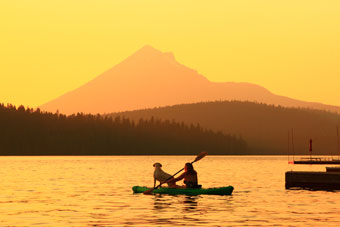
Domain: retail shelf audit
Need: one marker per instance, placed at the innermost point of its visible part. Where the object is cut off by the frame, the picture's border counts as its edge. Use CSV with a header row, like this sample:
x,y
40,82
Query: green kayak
x,y
187,191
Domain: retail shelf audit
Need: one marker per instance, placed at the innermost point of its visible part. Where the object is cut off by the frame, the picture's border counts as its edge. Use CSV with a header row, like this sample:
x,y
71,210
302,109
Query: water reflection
x,y
161,202
176,210
190,203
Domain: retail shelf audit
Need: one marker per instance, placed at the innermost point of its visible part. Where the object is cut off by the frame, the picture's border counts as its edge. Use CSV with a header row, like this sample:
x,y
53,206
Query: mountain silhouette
x,y
150,78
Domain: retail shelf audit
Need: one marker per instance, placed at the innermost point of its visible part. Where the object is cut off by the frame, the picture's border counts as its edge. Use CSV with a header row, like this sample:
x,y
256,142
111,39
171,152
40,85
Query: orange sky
x,y
290,47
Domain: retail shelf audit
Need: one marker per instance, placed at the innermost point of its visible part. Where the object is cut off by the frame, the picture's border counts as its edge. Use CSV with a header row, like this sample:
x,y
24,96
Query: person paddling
x,y
198,157
189,176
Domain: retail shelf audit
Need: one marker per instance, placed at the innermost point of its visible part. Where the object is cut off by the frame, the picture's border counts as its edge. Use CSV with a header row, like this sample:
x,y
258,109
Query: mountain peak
x,y
148,49
148,46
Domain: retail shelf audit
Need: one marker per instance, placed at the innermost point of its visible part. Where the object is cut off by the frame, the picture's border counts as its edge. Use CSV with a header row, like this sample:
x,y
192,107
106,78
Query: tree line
x,y
264,127
25,131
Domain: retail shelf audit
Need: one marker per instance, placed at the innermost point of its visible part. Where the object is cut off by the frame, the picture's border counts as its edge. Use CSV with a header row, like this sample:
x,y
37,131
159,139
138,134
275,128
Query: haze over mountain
x,y
264,127
150,78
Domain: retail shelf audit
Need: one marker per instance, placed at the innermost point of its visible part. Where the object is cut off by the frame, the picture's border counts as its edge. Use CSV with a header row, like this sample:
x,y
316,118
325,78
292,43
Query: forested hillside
x,y
264,127
25,131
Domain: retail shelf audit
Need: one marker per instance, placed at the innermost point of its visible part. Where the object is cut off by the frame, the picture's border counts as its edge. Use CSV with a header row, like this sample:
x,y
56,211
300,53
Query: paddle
x,y
198,157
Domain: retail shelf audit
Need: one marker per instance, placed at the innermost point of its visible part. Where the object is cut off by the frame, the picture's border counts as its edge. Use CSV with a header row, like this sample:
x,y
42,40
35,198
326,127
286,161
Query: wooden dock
x,y
313,180
332,169
317,162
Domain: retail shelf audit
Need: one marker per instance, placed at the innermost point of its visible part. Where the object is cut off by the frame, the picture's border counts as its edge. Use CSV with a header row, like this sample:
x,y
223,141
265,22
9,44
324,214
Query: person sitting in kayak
x,y
189,176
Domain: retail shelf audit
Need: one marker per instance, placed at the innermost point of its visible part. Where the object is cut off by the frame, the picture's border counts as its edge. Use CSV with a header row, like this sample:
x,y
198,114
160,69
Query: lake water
x,y
96,191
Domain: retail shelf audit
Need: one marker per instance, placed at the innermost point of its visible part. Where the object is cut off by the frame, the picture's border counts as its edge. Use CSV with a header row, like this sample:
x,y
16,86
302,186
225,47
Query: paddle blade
x,y
200,156
148,192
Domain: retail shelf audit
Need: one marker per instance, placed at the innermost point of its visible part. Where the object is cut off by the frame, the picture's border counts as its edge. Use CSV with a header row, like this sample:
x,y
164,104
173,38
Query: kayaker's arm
x,y
177,178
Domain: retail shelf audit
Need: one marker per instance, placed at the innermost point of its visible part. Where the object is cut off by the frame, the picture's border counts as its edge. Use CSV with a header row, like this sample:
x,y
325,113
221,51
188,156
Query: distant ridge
x,y
150,78
264,127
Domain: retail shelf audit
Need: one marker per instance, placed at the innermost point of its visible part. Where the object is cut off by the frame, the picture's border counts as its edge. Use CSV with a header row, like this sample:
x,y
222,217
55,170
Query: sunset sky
x,y
291,47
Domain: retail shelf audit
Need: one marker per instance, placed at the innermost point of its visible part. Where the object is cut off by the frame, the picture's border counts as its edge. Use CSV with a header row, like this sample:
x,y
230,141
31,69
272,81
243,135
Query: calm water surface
x,y
96,191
